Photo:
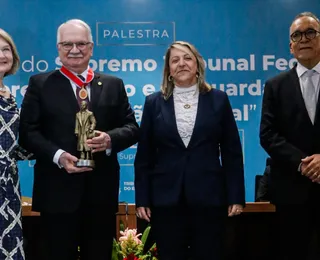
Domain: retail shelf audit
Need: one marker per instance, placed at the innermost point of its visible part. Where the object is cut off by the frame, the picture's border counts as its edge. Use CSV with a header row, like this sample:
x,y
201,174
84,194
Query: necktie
x,y
309,96
79,99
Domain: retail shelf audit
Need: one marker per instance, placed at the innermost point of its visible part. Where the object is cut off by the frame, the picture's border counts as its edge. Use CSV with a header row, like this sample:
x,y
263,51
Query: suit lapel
x,y
204,104
316,118
96,88
67,95
167,110
298,93
297,88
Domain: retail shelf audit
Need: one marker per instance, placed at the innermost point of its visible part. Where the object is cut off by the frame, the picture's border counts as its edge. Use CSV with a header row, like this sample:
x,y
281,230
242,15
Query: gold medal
x,y
83,94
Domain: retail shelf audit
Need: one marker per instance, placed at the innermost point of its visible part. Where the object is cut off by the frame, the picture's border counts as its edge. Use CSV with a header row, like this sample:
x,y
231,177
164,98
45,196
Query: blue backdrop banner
x,y
242,42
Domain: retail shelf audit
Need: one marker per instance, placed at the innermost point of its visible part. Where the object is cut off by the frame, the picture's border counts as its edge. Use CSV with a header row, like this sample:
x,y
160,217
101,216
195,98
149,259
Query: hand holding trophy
x,y
84,129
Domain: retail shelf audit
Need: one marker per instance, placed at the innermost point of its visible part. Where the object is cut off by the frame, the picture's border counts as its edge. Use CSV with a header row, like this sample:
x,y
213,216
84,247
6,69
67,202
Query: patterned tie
x,y
79,99
309,95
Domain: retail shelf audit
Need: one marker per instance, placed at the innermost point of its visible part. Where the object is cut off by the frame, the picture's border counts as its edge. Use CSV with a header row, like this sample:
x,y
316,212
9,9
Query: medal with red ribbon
x,y
83,94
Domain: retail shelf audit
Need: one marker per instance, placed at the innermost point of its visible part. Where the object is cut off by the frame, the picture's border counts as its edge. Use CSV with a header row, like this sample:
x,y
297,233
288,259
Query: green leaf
x,y
122,226
115,249
145,235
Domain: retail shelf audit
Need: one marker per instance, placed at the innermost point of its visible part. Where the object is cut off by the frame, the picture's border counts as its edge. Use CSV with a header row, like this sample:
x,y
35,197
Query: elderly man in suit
x,y
77,205
289,132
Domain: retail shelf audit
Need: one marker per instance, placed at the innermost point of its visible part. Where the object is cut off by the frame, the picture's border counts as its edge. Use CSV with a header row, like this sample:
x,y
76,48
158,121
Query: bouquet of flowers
x,y
131,247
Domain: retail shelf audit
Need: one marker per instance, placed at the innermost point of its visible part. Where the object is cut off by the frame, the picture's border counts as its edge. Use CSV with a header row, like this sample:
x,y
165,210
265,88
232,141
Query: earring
x,y
197,74
170,78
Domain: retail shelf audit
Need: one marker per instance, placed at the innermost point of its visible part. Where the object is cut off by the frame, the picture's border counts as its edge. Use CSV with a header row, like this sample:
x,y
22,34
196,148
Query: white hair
x,y
76,22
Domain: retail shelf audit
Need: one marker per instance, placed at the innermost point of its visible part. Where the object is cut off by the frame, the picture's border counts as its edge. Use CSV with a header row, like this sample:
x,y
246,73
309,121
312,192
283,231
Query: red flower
x,y
131,257
154,252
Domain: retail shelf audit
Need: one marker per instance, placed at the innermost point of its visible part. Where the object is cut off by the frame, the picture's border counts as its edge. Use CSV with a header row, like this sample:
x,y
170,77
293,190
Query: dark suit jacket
x,y
48,124
262,184
287,135
165,169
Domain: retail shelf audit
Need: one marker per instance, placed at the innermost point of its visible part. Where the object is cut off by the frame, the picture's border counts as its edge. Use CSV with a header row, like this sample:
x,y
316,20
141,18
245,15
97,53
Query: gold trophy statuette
x,y
84,129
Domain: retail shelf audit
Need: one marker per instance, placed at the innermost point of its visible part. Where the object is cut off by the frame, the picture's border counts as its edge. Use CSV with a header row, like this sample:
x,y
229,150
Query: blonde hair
x,y
168,85
16,59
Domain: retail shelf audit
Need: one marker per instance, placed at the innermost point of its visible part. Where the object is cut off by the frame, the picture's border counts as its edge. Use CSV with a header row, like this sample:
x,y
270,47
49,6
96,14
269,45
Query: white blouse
x,y
185,107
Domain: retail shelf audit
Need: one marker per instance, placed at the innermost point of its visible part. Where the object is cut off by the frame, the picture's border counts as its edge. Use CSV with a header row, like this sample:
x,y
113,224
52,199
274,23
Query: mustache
x,y
79,55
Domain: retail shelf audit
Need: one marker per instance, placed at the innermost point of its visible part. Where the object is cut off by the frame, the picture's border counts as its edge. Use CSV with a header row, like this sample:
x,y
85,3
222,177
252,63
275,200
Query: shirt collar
x,y
178,90
83,74
302,69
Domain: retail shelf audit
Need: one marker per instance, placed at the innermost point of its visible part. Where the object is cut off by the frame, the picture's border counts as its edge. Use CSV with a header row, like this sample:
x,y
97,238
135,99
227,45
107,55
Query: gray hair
x,y
307,14
76,22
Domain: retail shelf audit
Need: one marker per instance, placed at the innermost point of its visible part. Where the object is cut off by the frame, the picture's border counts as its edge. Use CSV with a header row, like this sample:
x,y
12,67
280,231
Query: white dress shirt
x,y
315,78
302,80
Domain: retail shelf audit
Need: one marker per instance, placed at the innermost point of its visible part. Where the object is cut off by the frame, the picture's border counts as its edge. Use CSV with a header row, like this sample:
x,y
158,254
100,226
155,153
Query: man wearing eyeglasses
x,y
78,205
290,134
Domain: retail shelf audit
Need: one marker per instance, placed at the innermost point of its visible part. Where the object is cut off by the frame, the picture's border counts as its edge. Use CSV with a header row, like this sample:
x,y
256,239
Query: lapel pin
x,y
99,83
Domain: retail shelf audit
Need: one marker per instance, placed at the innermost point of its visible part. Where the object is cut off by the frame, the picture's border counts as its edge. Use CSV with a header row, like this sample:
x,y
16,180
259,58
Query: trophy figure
x,y
84,129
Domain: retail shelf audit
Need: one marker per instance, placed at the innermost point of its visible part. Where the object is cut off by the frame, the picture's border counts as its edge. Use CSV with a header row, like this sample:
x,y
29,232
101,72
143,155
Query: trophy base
x,y
85,163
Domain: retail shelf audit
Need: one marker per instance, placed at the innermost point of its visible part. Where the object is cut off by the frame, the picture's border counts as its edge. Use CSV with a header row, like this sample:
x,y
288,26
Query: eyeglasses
x,y
309,34
67,46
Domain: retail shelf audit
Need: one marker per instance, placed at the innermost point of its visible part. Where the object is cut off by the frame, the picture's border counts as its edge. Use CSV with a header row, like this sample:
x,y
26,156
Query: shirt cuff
x,y
56,157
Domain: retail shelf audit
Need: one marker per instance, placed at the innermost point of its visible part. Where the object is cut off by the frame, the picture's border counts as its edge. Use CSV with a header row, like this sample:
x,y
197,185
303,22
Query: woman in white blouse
x,y
189,167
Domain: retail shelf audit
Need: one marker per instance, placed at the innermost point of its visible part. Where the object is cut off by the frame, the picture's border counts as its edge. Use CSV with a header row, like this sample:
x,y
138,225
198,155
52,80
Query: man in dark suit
x,y
262,183
77,205
289,132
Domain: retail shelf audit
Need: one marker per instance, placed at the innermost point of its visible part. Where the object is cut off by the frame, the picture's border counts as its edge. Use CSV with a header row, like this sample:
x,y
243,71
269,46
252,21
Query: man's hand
x,y
310,167
144,213
100,142
235,209
68,162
